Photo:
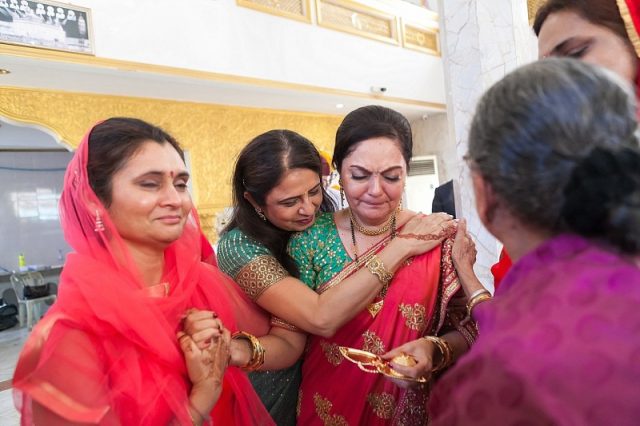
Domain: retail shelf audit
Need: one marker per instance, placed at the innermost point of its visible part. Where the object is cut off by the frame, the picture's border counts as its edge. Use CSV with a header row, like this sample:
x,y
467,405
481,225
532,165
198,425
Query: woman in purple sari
x,y
555,165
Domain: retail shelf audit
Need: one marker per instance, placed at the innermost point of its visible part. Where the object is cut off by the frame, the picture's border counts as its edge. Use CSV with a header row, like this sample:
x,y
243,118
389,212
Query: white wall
x,y
219,36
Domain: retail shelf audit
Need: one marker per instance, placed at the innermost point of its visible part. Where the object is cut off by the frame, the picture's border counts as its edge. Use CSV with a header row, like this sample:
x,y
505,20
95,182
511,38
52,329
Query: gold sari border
x,y
629,25
352,267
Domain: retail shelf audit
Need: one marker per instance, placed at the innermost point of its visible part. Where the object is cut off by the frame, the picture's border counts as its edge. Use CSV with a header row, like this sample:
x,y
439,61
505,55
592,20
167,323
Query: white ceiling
x,y
193,86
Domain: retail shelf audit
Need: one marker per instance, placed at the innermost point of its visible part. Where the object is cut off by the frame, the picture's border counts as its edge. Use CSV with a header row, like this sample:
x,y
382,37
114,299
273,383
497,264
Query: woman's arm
x,y
322,314
282,347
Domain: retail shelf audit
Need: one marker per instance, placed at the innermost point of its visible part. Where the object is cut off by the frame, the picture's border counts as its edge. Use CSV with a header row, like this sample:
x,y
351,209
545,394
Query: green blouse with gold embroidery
x,y
255,269
319,252
249,263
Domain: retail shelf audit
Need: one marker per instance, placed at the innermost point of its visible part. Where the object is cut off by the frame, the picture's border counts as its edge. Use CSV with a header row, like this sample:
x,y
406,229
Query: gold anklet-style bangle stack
x,y
257,351
445,350
476,298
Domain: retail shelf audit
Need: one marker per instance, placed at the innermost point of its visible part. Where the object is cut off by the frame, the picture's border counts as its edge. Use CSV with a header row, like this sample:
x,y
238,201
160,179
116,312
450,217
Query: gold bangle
x,y
257,351
376,267
482,297
477,292
445,350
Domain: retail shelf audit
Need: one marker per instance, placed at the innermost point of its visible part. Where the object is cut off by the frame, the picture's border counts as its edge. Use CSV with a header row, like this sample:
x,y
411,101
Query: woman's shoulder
x,y
236,249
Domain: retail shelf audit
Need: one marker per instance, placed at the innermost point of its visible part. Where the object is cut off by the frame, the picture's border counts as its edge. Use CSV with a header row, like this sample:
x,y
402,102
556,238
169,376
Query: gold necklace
x,y
374,307
371,232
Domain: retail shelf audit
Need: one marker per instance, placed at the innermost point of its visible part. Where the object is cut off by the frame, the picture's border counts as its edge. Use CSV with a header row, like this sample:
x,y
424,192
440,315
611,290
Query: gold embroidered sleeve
x,y
278,322
260,274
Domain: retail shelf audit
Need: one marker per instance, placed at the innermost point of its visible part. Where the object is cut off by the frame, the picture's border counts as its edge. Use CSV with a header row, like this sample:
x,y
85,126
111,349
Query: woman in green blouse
x,y
277,191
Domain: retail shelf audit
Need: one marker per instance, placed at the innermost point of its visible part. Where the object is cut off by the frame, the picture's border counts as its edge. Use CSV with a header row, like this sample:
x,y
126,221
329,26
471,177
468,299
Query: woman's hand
x,y
206,368
463,255
423,233
202,326
422,352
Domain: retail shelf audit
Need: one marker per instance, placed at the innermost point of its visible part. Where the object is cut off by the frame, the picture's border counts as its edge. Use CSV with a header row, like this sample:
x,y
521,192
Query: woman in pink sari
x,y
110,351
560,345
419,298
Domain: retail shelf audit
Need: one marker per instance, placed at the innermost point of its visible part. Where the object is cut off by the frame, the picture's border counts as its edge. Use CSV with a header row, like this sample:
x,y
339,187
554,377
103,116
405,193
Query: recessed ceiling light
x,y
339,106
4,71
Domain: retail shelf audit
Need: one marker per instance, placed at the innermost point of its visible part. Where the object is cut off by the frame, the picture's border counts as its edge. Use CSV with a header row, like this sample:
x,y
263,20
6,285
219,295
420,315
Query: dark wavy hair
x,y
556,139
372,121
112,143
260,168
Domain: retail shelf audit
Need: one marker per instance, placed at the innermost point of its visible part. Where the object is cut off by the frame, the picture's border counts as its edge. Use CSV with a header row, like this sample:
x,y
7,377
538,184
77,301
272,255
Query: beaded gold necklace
x,y
375,231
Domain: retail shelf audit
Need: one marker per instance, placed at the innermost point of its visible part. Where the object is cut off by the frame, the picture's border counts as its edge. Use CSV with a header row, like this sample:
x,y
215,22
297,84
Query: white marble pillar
x,y
481,40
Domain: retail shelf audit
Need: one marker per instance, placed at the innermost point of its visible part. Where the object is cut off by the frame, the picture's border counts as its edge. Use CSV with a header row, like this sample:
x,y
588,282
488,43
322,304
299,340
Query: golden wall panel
x,y
532,8
212,134
357,19
422,39
296,9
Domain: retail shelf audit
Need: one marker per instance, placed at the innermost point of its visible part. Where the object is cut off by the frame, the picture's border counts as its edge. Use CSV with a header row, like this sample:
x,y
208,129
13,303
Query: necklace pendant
x,y
375,308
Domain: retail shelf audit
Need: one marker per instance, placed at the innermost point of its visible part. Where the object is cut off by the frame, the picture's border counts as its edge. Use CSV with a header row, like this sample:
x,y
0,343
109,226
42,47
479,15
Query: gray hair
x,y
537,130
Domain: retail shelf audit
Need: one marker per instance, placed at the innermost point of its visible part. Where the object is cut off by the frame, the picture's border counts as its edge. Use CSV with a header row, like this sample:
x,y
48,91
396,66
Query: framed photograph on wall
x,y
46,24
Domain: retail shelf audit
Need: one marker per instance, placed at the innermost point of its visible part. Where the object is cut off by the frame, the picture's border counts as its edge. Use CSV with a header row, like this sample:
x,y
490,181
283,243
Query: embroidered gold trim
x,y
352,267
260,274
630,27
278,322
323,410
450,281
383,404
331,352
299,403
373,343
414,316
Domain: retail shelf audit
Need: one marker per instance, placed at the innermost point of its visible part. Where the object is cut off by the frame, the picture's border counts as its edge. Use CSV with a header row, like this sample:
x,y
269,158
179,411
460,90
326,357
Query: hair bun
x,y
602,198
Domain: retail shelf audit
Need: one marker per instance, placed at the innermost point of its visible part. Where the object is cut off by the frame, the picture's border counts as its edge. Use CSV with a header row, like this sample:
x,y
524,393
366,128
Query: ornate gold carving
x,y
359,19
373,343
532,8
294,9
211,134
260,274
382,404
421,39
414,316
331,352
323,410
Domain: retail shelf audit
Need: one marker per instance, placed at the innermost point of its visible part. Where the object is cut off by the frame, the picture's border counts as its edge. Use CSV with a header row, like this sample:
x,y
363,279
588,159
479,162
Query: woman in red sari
x,y
419,297
110,351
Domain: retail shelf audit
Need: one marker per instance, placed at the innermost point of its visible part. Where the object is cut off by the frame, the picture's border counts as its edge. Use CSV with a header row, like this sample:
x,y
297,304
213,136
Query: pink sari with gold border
x,y
421,300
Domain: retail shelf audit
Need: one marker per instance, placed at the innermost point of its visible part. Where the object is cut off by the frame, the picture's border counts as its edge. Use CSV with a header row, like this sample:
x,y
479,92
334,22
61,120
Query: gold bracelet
x,y
257,351
445,350
376,267
479,298
477,292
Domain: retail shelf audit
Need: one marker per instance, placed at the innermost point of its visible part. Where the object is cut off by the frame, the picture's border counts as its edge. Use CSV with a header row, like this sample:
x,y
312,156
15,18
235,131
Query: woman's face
x,y
292,205
150,202
373,177
566,33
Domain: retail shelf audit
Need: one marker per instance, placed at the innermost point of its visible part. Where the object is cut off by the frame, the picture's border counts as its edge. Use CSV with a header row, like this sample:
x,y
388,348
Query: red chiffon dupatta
x,y
107,353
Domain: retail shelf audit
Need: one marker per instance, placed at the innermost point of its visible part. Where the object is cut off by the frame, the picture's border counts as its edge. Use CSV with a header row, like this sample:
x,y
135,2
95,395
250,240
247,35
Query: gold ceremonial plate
x,y
372,363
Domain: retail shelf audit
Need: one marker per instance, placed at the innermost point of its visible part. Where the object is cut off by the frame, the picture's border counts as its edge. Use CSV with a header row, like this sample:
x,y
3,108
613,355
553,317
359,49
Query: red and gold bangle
x,y
257,351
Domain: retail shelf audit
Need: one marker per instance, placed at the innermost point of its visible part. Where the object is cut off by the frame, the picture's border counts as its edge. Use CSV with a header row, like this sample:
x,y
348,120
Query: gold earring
x,y
341,194
260,214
